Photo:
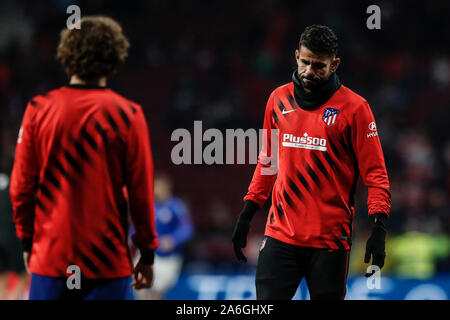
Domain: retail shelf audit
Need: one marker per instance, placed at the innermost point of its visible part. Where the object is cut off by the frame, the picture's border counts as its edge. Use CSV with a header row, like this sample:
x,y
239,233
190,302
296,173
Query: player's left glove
x,y
376,243
242,228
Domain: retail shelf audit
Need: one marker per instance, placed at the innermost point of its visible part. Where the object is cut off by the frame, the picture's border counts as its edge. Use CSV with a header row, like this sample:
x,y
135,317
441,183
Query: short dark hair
x,y
93,51
319,39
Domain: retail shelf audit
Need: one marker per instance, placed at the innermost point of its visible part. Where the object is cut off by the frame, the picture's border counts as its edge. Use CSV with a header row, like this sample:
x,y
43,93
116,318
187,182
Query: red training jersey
x,y
80,151
321,155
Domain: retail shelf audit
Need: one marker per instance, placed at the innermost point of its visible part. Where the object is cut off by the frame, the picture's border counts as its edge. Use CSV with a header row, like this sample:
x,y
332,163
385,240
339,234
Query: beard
x,y
313,82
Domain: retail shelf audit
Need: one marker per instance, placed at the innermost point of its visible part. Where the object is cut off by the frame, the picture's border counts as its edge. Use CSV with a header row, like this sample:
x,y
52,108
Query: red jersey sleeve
x,y
369,154
266,170
25,176
140,184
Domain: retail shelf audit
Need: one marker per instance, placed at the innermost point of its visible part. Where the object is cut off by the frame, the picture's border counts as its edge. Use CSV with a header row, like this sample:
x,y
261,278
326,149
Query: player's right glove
x,y
242,229
376,243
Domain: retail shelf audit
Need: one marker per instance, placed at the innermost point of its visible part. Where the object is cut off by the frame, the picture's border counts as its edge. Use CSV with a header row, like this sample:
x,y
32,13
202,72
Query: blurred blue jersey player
x,y
174,227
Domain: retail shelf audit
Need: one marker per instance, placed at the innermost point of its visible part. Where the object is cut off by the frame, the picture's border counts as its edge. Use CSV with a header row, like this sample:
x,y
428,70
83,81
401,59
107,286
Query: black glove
x,y
242,229
375,246
147,256
27,244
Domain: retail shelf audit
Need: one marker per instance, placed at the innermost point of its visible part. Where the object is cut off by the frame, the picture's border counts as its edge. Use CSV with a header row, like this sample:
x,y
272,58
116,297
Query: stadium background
x,y
217,62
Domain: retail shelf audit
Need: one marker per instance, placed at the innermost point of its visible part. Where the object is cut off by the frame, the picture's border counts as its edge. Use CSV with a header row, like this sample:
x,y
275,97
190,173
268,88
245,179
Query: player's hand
x,y
239,237
142,275
242,228
26,259
375,247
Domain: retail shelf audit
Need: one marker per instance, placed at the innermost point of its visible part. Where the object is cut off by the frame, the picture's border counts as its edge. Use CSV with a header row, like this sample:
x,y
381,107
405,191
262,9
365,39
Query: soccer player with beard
x,y
83,161
327,139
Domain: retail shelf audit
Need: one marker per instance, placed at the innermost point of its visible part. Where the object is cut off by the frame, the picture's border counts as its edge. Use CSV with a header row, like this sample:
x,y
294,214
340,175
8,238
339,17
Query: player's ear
x,y
297,55
335,64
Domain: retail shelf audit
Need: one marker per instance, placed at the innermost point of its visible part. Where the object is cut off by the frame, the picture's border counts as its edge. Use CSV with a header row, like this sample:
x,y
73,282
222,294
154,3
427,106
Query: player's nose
x,y
309,71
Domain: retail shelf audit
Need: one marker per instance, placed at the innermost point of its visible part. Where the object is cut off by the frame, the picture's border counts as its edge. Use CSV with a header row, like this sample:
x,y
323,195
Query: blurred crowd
x,y
218,62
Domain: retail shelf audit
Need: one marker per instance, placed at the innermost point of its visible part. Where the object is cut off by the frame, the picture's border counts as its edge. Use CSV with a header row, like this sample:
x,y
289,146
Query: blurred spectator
x,y
14,286
415,253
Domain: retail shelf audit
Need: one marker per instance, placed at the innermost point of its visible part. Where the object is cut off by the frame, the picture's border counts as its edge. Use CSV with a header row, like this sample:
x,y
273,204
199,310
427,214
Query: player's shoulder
x,y
353,99
41,99
283,90
125,103
39,102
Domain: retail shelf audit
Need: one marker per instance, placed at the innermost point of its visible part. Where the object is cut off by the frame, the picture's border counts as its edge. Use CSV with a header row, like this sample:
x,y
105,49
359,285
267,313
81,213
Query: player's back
x,y
80,139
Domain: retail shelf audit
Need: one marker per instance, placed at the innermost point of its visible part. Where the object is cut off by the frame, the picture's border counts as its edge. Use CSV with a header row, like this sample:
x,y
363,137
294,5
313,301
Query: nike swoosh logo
x,y
284,111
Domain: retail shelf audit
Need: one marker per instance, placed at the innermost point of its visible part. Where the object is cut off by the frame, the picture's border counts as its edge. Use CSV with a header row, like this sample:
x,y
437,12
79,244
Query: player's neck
x,y
315,98
101,82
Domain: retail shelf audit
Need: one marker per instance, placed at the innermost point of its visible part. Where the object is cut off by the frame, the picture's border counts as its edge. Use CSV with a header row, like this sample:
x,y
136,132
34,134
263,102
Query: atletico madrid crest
x,y
330,116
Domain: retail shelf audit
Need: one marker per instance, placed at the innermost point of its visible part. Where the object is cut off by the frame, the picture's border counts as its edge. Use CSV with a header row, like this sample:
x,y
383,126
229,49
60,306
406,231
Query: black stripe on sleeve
x,y
100,255
81,151
89,139
39,204
109,244
344,144
114,230
33,103
320,165
88,263
288,199
334,148
45,191
280,210
61,169
303,181
281,106
112,122
330,161
124,117
291,100
294,188
313,175
274,116
53,180
338,242
73,163
133,109
102,132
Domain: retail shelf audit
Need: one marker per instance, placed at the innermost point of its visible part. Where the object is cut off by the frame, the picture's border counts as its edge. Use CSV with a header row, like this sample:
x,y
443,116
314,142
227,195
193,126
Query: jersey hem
x,y
295,242
88,276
